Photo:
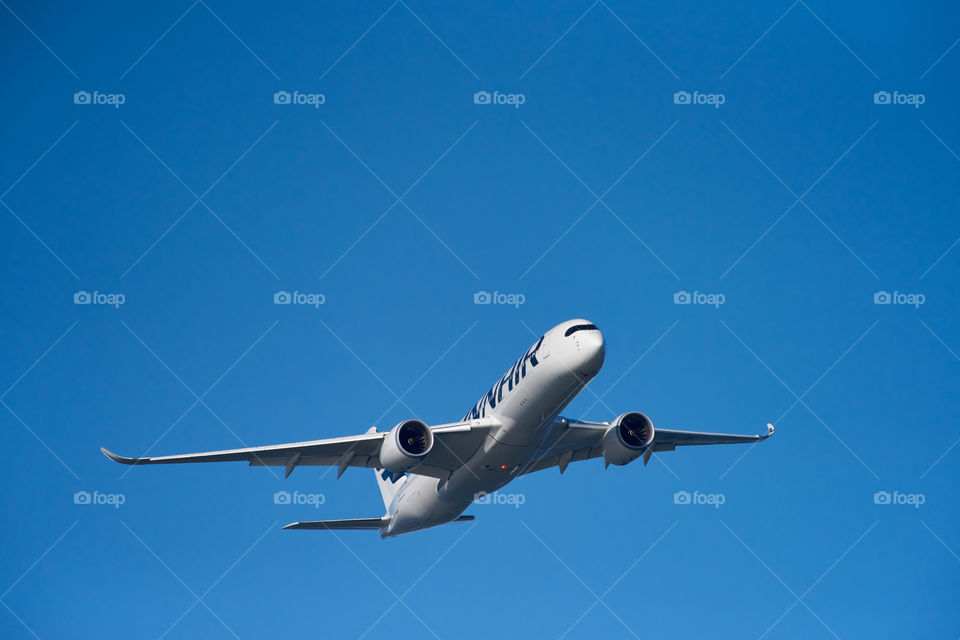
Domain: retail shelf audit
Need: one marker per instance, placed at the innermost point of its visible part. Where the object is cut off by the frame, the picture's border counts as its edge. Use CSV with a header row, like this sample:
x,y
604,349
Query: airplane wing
x,y
673,438
454,444
572,441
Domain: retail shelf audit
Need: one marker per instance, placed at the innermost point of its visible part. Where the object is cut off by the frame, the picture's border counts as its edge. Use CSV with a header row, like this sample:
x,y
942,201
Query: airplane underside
x,y
514,429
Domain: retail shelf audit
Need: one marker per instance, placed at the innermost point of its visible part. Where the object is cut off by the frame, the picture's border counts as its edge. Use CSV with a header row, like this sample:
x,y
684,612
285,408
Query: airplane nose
x,y
592,352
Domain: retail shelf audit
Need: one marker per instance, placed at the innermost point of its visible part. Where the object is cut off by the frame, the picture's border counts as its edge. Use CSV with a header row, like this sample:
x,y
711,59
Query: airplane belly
x,y
421,508
495,465
525,416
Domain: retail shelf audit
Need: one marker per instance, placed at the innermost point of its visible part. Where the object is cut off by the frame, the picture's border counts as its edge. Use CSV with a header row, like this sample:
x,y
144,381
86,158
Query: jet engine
x,y
405,446
628,437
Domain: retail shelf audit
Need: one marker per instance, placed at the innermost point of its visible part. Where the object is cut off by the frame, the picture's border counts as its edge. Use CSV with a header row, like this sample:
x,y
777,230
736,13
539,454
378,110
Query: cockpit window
x,y
580,327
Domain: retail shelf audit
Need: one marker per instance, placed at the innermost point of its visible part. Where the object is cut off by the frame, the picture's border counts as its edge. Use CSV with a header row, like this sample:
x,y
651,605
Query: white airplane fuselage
x,y
525,402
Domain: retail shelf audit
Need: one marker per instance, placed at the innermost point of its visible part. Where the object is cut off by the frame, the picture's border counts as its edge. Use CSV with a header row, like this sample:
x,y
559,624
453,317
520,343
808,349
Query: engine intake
x,y
628,437
405,446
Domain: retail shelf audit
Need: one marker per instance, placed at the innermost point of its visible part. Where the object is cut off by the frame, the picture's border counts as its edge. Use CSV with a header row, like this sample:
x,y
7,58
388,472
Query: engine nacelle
x,y
405,446
628,438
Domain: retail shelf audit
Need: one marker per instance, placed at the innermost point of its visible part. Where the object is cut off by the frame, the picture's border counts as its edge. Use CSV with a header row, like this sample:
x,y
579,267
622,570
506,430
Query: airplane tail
x,y
389,485
388,489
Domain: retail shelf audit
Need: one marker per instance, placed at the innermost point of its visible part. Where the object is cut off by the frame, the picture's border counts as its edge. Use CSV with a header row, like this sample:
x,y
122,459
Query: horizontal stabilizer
x,y
352,523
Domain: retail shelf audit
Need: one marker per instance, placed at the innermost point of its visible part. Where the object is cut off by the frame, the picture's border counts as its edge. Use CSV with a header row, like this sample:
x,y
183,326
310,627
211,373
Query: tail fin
x,y
389,485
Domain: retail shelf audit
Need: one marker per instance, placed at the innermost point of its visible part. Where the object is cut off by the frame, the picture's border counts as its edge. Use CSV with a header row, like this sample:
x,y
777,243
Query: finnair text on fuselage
x,y
510,379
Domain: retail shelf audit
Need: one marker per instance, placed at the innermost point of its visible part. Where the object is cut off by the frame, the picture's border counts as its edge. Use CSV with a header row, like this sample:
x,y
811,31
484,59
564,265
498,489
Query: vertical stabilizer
x,y
389,485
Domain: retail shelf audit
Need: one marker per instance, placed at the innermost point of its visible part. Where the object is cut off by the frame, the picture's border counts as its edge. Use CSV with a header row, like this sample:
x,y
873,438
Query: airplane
x,y
429,475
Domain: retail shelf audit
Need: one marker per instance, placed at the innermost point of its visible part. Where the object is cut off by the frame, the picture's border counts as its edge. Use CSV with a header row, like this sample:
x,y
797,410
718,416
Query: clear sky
x,y
787,163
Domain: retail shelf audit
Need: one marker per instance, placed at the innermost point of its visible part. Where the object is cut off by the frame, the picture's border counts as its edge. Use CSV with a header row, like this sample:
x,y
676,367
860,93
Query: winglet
x,y
121,459
770,431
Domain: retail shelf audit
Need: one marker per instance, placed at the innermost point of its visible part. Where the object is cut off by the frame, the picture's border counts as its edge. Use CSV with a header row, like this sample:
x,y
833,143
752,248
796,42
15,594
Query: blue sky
x,y
772,156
